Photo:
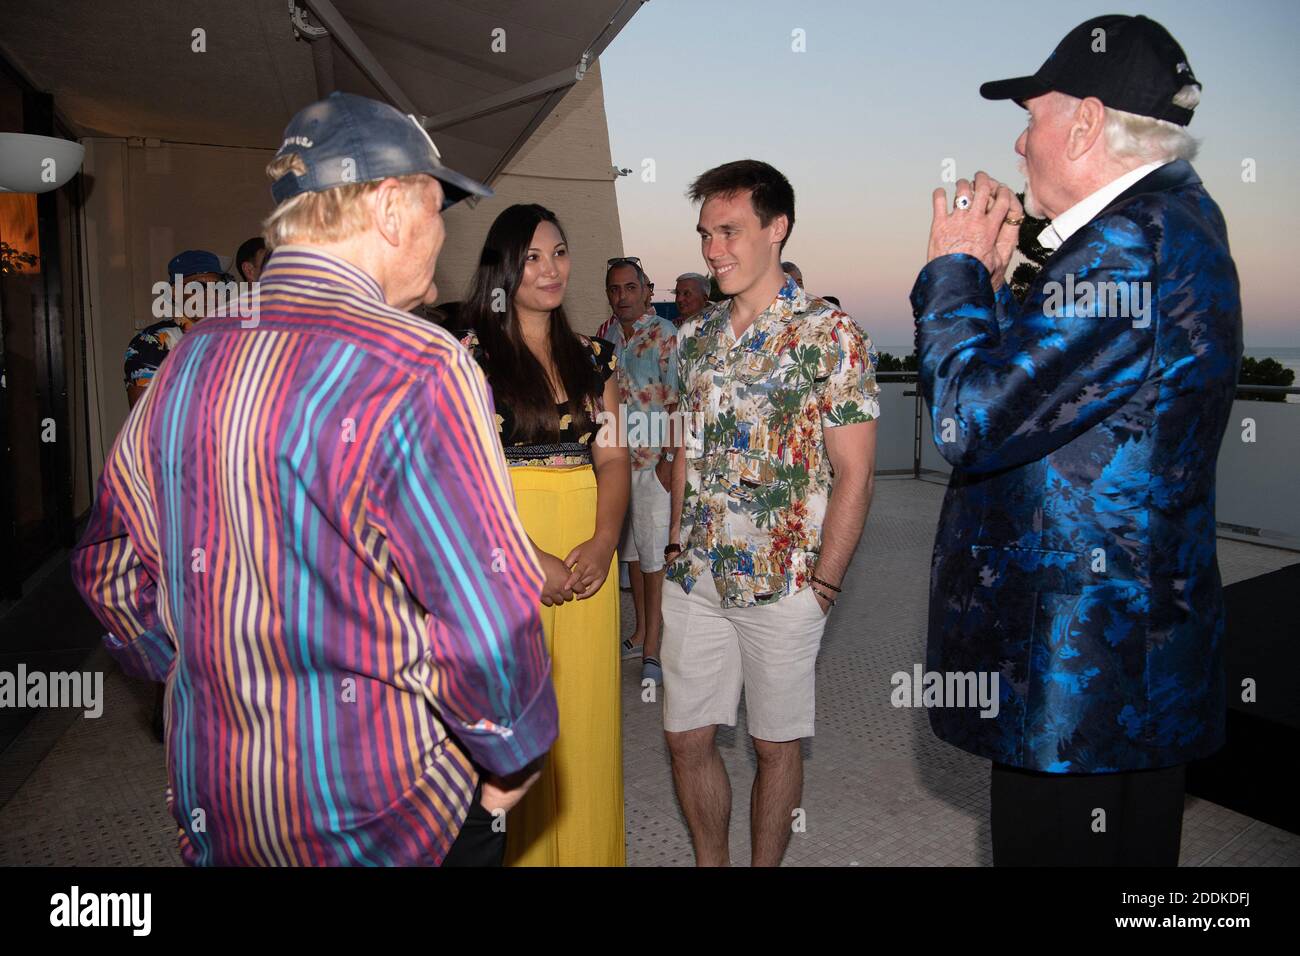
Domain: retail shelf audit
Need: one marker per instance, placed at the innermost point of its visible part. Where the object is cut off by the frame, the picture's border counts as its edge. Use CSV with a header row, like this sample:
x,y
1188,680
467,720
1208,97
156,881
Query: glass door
x,y
35,477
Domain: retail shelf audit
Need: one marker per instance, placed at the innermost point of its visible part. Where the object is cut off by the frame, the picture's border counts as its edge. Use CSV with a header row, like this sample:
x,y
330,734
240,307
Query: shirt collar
x,y
649,318
639,323
1085,210
797,296
789,300
315,266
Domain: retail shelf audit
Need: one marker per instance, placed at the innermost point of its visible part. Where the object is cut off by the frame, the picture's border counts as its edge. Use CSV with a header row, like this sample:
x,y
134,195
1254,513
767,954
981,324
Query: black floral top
x,y
148,347
574,444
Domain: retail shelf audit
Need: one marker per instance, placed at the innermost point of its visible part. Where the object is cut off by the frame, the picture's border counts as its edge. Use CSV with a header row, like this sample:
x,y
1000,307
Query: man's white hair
x,y
695,277
1129,136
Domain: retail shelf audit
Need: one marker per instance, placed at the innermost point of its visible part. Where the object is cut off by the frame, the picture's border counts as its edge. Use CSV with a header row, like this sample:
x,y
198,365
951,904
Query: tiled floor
x,y
879,788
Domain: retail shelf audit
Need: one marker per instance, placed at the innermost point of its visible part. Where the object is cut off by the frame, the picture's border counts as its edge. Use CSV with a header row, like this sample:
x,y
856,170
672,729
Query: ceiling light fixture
x,y
37,164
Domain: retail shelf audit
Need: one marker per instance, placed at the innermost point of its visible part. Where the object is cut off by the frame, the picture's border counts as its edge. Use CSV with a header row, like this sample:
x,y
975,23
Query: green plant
x,y
1265,371
12,260
890,363
1035,254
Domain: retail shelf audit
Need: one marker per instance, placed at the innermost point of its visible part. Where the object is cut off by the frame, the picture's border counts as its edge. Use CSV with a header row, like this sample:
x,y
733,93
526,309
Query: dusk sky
x,y
862,122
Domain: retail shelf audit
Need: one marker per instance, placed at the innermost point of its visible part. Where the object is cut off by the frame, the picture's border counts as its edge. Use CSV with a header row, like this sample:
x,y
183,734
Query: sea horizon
x,y
1287,356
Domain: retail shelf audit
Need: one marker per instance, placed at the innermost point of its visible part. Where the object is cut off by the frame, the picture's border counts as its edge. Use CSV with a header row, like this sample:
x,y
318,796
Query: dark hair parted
x,y
516,377
769,191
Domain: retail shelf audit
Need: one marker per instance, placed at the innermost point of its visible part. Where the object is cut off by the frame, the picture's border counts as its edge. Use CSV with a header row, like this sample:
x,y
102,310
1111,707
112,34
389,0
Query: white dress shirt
x,y
1085,210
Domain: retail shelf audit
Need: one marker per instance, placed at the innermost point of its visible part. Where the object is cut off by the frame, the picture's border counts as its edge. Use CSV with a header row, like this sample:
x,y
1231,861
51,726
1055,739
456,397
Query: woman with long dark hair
x,y
551,386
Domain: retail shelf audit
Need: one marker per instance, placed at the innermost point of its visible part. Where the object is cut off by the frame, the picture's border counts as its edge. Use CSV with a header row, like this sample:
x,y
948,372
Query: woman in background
x,y
549,385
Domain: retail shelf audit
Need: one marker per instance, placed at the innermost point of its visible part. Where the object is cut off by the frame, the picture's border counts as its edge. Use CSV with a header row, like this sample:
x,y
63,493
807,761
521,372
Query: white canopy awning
x,y
482,74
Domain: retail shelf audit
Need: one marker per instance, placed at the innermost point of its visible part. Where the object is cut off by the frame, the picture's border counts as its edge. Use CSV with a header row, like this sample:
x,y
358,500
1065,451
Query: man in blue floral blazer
x,y
1075,556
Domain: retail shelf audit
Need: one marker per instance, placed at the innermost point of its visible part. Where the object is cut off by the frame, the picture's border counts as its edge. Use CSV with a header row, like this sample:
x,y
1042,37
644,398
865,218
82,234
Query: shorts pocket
x,y
817,605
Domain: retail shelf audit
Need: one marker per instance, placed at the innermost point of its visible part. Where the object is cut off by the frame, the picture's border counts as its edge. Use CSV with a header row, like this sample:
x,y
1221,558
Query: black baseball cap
x,y
346,138
1129,63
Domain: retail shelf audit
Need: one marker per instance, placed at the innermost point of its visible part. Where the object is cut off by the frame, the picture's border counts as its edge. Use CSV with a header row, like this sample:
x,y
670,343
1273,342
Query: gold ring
x,y
1013,222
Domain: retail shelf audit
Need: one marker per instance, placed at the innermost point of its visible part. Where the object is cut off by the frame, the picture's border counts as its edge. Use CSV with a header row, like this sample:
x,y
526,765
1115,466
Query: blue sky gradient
x,y
863,120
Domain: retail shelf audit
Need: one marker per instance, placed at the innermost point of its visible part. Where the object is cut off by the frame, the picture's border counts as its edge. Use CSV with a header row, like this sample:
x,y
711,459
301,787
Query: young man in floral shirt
x,y
779,397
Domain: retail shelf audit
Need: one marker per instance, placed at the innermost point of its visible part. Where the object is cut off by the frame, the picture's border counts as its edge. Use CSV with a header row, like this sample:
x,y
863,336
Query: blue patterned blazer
x,y
1075,555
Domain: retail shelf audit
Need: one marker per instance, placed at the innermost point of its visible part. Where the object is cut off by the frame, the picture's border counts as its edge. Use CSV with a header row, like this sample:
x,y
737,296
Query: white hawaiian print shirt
x,y
757,476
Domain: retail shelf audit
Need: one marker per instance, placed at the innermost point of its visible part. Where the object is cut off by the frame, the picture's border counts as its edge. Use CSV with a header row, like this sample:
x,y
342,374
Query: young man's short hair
x,y
769,191
248,251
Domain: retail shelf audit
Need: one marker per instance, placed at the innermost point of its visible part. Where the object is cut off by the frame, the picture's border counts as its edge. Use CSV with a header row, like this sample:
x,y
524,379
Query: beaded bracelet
x,y
825,584
827,598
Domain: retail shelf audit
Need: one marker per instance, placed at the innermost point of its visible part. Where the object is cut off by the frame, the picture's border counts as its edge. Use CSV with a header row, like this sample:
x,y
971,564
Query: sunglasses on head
x,y
623,261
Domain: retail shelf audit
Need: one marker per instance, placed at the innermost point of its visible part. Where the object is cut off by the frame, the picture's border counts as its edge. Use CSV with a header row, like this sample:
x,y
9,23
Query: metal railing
x,y
920,425
1259,457
1269,389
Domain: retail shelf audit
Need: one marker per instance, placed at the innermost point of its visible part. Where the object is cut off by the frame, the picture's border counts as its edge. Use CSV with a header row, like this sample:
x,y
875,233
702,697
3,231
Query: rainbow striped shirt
x,y
306,527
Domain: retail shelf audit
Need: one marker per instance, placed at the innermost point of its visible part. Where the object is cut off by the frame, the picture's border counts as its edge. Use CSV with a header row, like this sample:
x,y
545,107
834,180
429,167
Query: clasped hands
x,y
578,575
984,222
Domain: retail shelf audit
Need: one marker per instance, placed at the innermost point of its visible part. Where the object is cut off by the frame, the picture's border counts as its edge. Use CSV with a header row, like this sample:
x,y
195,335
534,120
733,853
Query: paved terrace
x,y
879,788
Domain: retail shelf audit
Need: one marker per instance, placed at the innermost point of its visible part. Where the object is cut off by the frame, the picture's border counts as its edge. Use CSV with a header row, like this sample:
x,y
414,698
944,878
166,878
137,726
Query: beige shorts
x,y
645,530
710,654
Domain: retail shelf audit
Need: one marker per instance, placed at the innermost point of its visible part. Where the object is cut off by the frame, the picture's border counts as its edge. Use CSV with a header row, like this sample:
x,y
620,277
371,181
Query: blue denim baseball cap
x,y
346,138
193,262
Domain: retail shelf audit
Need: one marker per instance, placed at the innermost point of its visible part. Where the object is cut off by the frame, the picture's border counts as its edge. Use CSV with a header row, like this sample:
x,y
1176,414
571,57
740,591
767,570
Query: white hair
x,y
328,215
1129,136
702,281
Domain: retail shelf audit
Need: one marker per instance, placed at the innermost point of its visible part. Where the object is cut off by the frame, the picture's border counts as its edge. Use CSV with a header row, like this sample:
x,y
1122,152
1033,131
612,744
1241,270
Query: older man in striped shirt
x,y
306,529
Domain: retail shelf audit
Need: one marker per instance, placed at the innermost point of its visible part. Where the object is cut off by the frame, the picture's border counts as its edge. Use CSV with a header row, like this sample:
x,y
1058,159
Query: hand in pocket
x,y
664,472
